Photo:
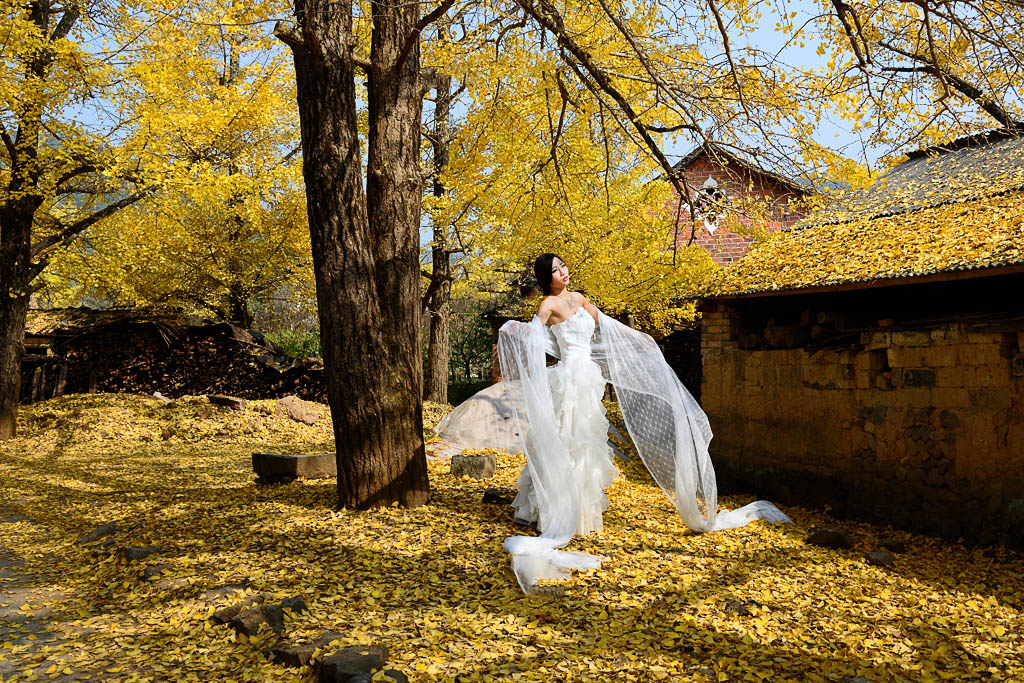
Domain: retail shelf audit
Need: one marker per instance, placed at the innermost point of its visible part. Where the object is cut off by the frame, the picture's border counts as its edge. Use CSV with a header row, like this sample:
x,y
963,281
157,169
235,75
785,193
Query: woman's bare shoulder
x,y
548,302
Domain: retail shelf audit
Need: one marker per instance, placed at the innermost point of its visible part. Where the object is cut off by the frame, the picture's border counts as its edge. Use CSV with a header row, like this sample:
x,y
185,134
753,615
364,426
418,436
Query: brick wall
x,y
725,245
921,429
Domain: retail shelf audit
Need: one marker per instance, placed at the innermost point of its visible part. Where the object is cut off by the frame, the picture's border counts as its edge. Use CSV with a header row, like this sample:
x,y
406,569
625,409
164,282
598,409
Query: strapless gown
x,y
577,387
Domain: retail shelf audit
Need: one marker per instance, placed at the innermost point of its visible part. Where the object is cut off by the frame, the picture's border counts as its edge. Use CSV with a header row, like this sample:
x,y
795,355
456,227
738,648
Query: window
x,y
709,204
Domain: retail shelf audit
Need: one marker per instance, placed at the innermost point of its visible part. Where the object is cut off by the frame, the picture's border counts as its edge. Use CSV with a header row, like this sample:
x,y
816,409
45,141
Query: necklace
x,y
568,300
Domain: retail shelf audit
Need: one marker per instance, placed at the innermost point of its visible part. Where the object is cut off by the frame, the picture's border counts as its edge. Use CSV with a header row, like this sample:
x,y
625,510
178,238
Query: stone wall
x,y
919,428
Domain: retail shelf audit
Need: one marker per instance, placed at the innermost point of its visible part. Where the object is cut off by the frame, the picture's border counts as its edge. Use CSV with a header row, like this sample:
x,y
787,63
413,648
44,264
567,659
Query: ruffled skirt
x,y
577,387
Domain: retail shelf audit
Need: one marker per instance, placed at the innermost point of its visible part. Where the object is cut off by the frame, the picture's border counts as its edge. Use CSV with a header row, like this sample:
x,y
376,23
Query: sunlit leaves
x,y
433,583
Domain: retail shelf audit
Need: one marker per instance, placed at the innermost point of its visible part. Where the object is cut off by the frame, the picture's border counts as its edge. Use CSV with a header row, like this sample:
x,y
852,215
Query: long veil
x,y
670,431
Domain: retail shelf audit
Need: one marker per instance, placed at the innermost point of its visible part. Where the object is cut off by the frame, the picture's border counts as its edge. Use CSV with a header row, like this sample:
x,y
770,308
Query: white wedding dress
x,y
577,388
554,416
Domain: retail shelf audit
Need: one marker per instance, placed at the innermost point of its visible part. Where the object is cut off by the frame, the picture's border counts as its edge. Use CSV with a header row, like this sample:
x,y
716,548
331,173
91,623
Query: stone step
x,y
274,467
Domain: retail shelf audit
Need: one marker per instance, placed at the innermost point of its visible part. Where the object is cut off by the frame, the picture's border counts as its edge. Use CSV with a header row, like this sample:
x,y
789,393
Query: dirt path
x,y
27,621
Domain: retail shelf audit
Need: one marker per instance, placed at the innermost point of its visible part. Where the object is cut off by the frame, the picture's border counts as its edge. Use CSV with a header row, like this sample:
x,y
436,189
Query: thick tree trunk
x,y
393,193
15,233
440,304
365,248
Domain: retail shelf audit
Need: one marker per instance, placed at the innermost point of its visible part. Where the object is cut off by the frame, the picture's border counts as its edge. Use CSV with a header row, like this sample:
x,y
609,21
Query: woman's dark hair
x,y
542,271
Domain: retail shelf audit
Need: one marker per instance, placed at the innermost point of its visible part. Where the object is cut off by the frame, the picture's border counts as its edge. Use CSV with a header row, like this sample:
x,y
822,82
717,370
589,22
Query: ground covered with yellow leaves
x,y
433,584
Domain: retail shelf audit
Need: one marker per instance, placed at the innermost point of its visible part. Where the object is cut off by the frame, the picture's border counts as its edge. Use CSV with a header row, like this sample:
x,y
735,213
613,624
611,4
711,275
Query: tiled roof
x,y
965,169
942,211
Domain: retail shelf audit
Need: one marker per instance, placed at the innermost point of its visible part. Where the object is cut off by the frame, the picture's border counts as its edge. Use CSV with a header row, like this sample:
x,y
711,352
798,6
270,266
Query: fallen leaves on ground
x,y
433,583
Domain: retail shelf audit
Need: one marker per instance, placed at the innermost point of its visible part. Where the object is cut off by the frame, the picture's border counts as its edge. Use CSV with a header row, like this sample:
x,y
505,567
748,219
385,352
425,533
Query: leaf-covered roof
x,y
965,169
941,211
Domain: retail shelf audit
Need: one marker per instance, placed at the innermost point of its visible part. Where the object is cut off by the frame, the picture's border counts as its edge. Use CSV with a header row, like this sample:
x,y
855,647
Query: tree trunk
x,y
365,247
238,307
15,232
440,304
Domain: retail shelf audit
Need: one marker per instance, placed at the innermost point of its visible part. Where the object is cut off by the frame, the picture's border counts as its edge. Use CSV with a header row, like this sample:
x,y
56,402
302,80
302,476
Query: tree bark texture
x,y
439,307
365,246
17,214
15,228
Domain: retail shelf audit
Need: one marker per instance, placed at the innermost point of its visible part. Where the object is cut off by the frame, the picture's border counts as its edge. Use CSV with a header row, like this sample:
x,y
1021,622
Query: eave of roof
x,y
713,151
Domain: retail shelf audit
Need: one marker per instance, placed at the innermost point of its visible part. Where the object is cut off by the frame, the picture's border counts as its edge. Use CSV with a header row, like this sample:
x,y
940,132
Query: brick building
x,y
873,359
718,177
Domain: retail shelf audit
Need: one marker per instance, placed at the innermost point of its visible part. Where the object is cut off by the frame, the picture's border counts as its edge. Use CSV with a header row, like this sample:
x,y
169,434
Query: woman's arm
x,y
544,312
589,307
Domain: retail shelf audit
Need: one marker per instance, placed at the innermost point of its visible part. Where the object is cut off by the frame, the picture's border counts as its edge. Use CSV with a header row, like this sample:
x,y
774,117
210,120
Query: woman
x,y
556,418
577,387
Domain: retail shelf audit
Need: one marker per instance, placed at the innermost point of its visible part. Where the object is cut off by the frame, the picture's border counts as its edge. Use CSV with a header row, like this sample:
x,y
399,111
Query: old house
x,y
720,181
872,358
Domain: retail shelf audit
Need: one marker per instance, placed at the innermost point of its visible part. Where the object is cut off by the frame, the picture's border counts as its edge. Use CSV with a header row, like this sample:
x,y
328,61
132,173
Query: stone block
x,y
990,398
980,354
880,558
294,407
915,397
98,533
876,340
918,377
272,467
299,654
346,664
956,376
226,614
250,620
237,404
139,553
789,375
940,356
475,466
911,338
983,337
951,397
830,538
905,357
847,377
992,376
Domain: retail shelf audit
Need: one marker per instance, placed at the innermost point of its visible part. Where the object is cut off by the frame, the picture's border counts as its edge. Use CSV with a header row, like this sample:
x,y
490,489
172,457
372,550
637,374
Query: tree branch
x,y
842,9
12,151
69,232
289,36
84,168
672,129
67,20
732,65
414,35
968,90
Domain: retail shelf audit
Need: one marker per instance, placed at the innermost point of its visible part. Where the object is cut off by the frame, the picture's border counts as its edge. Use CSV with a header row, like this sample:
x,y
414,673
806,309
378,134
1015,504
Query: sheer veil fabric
x,y
670,431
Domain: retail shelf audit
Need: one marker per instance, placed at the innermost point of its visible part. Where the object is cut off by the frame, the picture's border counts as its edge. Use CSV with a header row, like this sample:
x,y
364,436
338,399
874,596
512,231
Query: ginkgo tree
x,y
653,70
228,225
61,169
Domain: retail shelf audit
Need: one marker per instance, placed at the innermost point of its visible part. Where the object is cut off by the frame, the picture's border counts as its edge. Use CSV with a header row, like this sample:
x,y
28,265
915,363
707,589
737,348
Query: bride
x,y
556,418
577,387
